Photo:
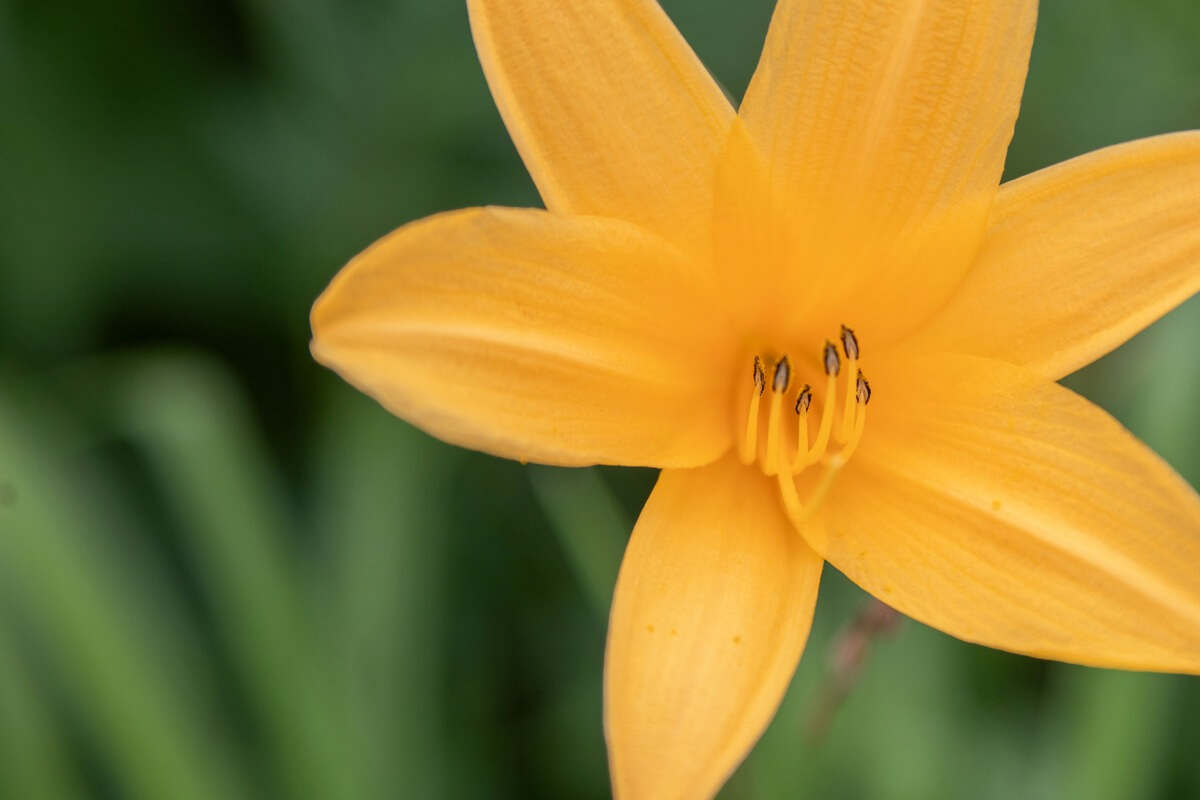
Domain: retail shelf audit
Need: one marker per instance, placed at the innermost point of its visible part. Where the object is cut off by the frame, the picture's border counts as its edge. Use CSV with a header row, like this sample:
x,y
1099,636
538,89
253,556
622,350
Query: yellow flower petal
x,y
610,109
1006,510
1081,256
766,290
562,340
884,124
712,610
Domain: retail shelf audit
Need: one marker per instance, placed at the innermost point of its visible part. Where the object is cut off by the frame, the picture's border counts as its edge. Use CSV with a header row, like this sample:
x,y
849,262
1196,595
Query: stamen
x,y
843,455
850,348
812,455
803,401
842,418
832,362
779,385
749,445
849,344
863,389
783,375
862,395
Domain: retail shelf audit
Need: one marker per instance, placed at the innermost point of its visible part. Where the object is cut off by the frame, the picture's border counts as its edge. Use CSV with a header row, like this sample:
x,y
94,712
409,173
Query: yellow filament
x,y
844,430
813,455
773,436
749,448
860,422
801,441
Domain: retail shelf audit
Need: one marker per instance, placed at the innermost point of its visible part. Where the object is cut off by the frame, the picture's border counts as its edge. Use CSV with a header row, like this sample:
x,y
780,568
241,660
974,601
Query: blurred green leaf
x,y
189,420
34,755
1109,739
377,499
590,525
148,711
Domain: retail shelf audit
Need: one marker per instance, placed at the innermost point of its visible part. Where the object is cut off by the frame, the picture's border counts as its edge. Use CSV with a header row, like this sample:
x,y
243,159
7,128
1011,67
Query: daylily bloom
x,y
724,295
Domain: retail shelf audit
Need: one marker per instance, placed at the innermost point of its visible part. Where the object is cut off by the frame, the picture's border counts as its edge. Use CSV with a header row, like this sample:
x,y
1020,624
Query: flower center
x,y
811,462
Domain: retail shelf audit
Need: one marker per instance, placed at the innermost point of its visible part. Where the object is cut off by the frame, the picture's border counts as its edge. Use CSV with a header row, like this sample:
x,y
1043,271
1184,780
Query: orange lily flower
x,y
682,304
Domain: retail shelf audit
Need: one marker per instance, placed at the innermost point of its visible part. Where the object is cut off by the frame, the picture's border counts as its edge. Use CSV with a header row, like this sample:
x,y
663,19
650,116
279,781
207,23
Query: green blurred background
x,y
226,574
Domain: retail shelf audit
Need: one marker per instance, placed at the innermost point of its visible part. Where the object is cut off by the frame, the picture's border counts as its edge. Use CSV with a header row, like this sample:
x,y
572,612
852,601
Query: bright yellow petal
x,y
1006,510
562,340
712,610
1081,256
610,109
884,124
752,247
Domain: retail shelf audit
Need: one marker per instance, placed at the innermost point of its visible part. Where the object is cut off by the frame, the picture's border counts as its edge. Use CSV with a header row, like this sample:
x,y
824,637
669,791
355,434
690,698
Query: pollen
x,y
790,450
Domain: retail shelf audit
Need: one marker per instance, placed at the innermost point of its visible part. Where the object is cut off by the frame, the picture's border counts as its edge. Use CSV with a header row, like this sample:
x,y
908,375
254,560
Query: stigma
x,y
805,446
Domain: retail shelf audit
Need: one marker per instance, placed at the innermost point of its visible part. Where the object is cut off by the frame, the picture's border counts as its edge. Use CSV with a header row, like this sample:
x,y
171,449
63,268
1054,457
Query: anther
x,y
804,399
779,385
833,364
862,390
783,375
849,344
760,375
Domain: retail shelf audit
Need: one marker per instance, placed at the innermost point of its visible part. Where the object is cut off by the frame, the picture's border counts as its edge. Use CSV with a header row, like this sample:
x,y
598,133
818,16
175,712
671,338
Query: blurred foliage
x,y
223,573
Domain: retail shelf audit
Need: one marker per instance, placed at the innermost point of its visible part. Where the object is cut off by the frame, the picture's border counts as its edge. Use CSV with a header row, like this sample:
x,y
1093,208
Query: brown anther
x,y
862,390
849,343
760,375
804,399
783,375
833,364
